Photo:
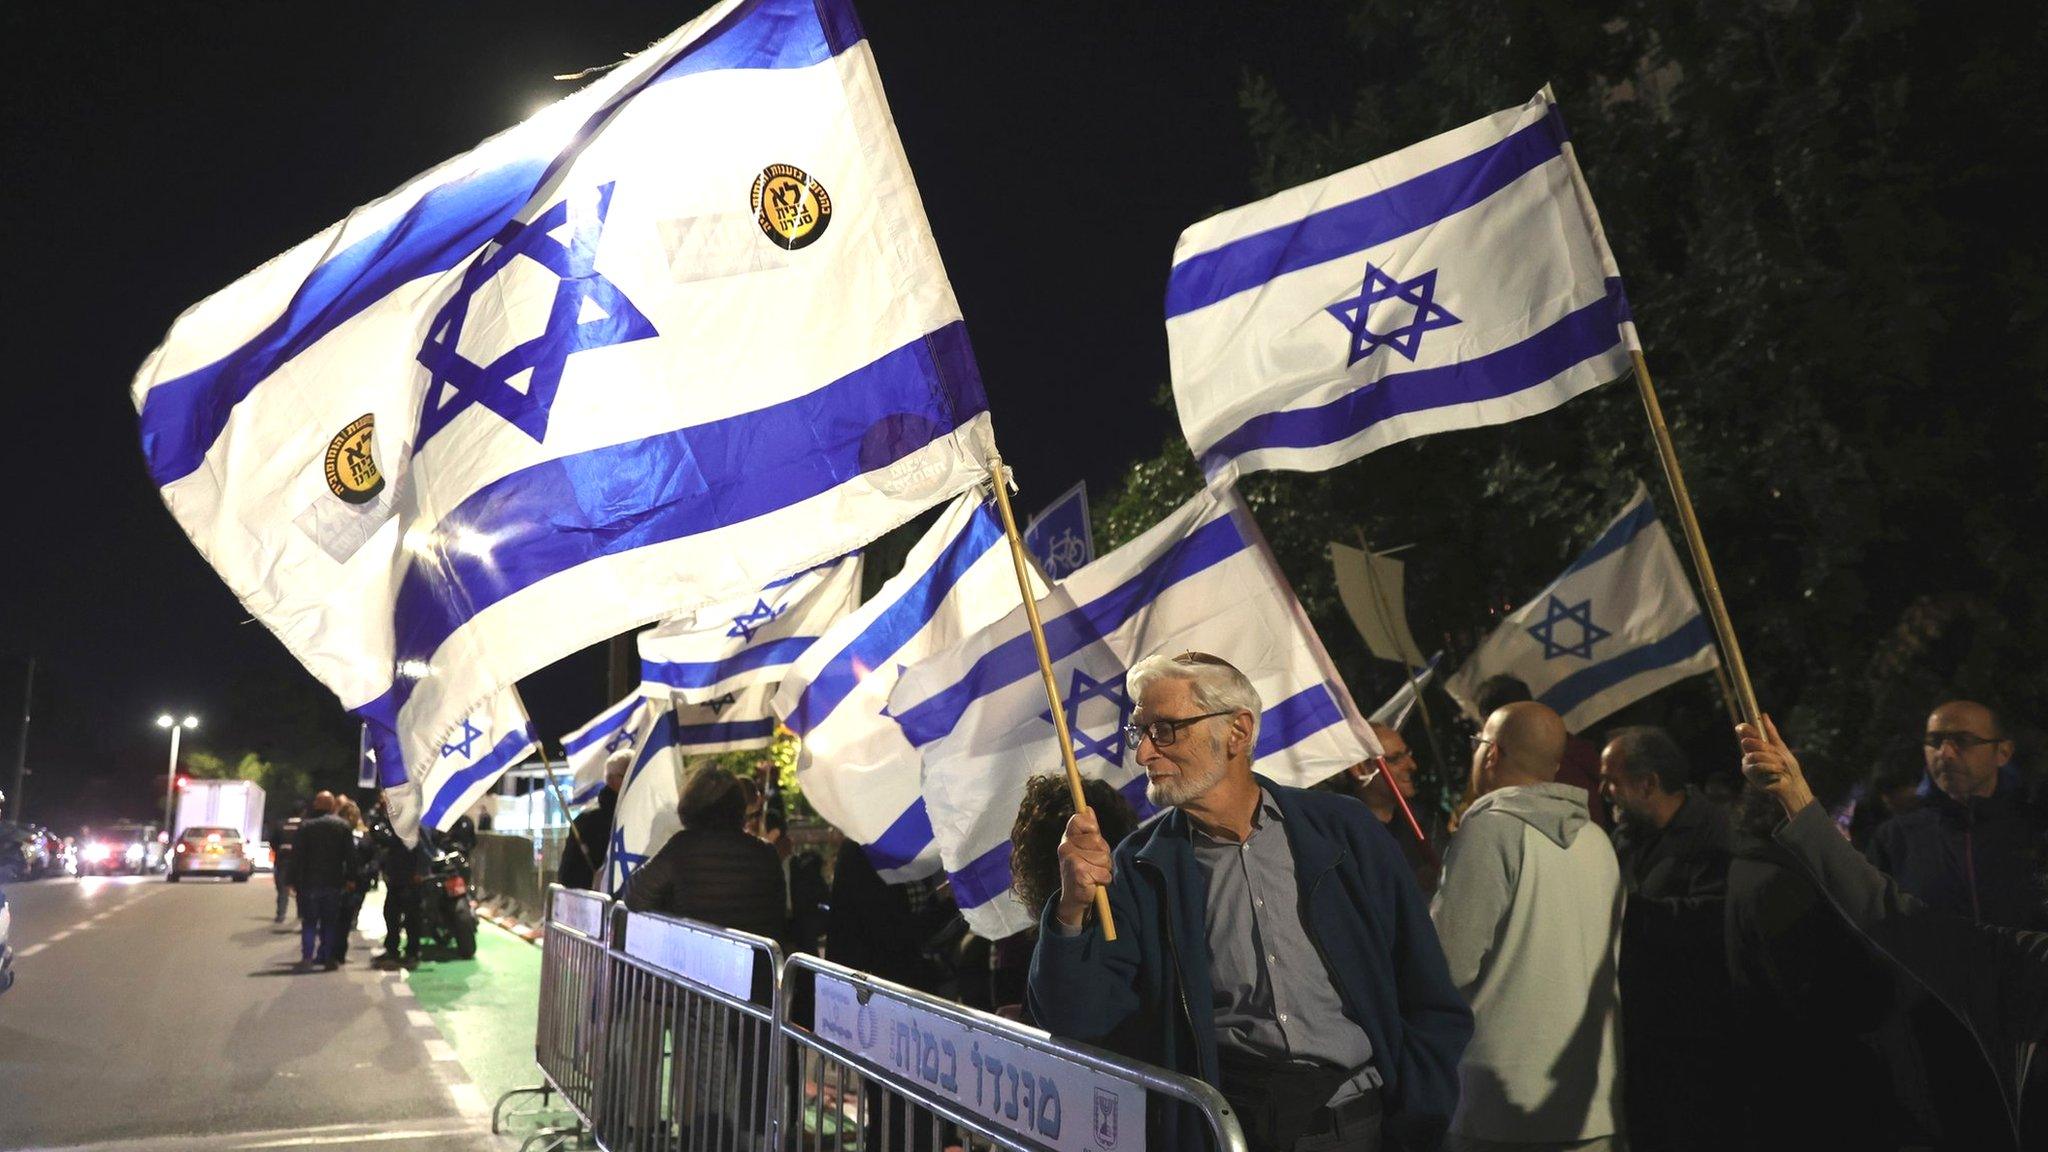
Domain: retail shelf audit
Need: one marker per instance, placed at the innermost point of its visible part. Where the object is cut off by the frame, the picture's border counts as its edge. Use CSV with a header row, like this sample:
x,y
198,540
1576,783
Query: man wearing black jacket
x,y
322,854
1994,979
583,856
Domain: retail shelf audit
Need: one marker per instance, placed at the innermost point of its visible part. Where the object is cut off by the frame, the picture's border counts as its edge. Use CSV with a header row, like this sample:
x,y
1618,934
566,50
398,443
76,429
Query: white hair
x,y
1216,683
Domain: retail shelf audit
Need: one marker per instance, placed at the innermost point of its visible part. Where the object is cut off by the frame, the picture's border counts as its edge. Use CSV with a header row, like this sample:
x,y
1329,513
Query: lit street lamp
x,y
177,728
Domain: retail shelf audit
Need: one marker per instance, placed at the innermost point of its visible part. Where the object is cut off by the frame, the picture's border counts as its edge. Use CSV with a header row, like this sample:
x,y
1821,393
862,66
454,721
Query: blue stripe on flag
x,y
693,736
548,518
985,877
1416,203
894,627
1586,683
182,418
701,673
1619,535
663,735
602,727
1014,659
1578,337
900,843
1296,718
498,759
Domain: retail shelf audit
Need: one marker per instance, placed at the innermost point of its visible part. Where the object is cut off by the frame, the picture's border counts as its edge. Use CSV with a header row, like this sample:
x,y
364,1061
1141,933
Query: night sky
x,y
156,152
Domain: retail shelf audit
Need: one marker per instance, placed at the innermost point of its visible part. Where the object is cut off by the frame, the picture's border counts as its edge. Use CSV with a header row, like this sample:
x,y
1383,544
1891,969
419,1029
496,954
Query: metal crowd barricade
x,y
689,1048
568,1041
881,1068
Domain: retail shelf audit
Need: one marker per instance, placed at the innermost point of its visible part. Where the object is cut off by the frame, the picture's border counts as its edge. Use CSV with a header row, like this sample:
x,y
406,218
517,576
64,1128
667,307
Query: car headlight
x,y
134,852
94,853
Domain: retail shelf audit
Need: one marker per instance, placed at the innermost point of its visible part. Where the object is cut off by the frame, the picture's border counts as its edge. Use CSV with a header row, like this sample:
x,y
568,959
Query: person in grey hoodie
x,y
1529,915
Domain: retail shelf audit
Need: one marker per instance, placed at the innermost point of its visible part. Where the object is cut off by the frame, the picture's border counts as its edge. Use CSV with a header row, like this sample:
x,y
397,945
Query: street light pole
x,y
21,749
177,728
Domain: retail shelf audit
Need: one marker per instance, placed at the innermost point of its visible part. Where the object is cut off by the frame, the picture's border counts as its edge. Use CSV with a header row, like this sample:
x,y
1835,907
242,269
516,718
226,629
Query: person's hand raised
x,y
1084,863
1770,765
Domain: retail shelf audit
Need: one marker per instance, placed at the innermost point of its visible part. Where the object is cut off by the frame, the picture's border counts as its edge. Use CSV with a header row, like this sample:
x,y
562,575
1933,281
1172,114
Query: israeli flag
x,y
728,723
1619,624
1202,579
733,644
622,726
854,764
1460,282
678,336
464,767
1394,713
646,814
1060,536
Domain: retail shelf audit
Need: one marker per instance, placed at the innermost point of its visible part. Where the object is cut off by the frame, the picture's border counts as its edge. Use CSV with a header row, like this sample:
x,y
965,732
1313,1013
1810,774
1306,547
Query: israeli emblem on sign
x,y
351,462
791,208
1105,1118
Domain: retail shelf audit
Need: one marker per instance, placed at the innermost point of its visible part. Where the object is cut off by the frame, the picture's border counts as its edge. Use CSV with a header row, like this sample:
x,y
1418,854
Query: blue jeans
x,y
319,923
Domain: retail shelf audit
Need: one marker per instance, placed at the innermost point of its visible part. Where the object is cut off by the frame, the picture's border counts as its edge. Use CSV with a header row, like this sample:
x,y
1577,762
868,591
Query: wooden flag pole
x,y
1724,629
1052,688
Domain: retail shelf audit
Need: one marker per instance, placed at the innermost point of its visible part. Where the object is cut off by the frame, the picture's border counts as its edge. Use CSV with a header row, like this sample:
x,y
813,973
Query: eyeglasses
x,y
1404,756
1964,741
1479,741
1163,733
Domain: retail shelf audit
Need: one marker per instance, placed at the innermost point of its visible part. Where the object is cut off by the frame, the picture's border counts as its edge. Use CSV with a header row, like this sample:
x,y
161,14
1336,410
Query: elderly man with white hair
x,y
583,856
1270,940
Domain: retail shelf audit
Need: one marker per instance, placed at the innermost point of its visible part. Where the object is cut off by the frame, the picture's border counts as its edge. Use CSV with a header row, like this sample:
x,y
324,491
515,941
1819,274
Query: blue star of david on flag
x,y
1082,688
1581,614
623,738
470,735
589,311
1377,287
744,626
627,863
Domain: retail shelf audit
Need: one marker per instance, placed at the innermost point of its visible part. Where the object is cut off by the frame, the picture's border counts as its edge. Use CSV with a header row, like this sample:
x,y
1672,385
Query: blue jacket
x,y
1147,995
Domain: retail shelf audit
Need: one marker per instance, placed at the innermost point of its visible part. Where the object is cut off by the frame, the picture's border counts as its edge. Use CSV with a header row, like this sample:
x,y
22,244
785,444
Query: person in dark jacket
x,y
712,870
1993,978
281,838
323,854
583,854
1673,847
881,928
1270,940
1372,783
1974,848
401,869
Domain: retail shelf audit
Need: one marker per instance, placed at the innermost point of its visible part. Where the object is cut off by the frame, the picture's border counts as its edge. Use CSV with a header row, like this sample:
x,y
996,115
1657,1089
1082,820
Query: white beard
x,y
1181,790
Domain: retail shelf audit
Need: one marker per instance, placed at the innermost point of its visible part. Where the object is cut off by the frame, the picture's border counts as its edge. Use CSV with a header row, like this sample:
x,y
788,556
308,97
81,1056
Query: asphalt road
x,y
164,1016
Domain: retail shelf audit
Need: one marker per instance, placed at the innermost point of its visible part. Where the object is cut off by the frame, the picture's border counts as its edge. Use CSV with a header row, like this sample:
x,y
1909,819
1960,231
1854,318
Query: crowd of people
x,y
1593,951
331,857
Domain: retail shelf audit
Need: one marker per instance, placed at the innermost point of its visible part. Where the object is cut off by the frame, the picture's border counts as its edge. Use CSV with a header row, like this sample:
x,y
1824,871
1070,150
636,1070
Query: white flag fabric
x,y
623,725
1460,282
1394,713
728,723
1201,579
464,767
1374,591
855,765
681,334
646,813
1619,624
733,644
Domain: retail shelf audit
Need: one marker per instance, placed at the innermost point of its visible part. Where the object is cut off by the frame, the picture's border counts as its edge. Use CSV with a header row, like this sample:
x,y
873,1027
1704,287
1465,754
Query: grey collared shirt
x,y
1273,995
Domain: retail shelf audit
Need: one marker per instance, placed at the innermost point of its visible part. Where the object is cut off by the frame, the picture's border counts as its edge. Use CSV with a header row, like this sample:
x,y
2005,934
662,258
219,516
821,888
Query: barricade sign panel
x,y
1051,1101
582,911
713,961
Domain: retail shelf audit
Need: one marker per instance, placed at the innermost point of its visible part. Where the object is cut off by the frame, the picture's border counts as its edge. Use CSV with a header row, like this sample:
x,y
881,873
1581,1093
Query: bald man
x,y
1974,849
1529,914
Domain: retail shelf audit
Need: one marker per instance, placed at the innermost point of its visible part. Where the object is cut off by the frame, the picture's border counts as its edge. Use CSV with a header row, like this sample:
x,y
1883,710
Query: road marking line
x,y
469,1099
31,950
399,988
439,1049
57,936
418,1019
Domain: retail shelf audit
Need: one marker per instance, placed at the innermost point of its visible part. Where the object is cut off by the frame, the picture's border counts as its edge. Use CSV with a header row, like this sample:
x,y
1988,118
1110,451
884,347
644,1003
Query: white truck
x,y
234,804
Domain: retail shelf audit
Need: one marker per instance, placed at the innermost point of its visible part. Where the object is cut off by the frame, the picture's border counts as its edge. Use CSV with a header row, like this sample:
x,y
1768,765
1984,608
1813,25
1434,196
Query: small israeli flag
x,y
734,644
1460,282
1619,624
622,726
469,761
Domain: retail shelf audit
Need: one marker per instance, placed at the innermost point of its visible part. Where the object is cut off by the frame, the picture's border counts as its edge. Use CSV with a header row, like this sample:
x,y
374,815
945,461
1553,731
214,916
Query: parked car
x,y
210,850
17,852
119,849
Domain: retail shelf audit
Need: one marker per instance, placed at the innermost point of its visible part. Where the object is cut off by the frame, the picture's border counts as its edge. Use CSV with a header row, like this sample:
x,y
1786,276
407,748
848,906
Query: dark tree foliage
x,y
1829,219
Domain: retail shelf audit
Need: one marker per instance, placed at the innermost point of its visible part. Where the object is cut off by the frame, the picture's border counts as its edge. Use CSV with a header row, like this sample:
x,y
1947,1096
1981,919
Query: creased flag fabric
x,y
1060,536
464,766
646,814
728,723
366,760
733,644
854,764
1459,282
1374,591
1201,579
1394,713
679,335
1619,624
623,725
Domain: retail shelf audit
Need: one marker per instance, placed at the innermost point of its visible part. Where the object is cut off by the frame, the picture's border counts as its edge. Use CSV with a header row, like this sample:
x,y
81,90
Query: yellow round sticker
x,y
352,472
791,208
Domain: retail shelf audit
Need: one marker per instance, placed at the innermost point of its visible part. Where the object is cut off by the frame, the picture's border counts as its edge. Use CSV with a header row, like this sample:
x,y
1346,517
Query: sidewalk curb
x,y
487,909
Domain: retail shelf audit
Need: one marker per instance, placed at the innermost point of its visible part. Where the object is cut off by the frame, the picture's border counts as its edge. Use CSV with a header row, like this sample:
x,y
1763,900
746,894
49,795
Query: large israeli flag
x,y
1460,282
1201,579
855,766
624,725
1619,624
464,766
678,336
733,644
